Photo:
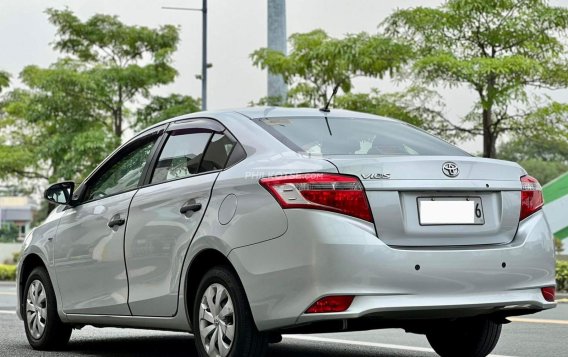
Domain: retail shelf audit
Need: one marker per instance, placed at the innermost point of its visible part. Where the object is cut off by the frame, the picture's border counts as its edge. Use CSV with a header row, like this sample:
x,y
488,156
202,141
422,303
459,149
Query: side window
x,y
217,153
180,157
121,176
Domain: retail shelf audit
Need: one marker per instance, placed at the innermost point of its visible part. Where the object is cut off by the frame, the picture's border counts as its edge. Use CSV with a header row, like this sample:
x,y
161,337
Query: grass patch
x,y
562,275
7,272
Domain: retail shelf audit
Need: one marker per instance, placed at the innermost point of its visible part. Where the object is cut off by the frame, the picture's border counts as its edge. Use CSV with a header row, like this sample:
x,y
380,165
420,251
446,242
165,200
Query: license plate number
x,y
450,210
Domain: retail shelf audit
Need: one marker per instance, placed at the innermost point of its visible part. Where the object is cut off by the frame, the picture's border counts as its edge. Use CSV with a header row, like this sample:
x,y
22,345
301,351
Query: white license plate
x,y
450,210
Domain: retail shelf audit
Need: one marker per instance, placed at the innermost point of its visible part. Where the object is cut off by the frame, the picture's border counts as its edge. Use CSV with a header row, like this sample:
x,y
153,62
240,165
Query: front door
x,y
89,245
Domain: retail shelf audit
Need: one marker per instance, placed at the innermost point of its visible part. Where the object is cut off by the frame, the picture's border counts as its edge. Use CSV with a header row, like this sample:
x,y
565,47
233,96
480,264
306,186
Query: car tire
x,y
44,328
223,323
473,337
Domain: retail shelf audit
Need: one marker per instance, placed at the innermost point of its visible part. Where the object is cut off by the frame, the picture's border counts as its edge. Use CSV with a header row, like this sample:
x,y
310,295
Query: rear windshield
x,y
352,136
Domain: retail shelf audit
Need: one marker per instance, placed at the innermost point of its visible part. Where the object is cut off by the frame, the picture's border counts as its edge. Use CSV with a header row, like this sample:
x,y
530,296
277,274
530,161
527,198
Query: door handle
x,y
193,207
116,221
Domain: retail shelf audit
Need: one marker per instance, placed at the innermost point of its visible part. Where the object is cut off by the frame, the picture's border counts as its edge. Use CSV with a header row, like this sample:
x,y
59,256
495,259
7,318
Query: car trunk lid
x,y
396,185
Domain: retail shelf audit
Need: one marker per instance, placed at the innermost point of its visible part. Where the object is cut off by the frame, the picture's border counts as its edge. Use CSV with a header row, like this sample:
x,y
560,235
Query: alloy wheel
x,y
217,321
36,309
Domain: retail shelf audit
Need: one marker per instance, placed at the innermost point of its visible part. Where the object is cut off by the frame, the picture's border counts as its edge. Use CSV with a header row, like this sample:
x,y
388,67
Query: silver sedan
x,y
241,225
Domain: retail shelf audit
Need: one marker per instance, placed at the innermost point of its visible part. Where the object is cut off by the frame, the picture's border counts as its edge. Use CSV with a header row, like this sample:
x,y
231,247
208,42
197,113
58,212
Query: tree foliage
x,y
498,48
123,61
544,156
8,233
380,104
544,171
418,106
56,130
69,116
537,148
317,62
4,80
162,108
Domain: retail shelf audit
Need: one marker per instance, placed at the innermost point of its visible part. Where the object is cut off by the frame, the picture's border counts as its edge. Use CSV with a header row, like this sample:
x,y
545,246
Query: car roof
x,y
271,112
278,112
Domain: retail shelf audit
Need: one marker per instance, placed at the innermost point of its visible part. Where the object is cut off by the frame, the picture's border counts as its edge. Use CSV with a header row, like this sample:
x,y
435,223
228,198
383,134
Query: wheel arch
x,y
29,263
200,264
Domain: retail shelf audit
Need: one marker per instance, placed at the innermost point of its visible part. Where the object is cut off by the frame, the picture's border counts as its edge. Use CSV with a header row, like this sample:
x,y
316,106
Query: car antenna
x,y
326,108
335,89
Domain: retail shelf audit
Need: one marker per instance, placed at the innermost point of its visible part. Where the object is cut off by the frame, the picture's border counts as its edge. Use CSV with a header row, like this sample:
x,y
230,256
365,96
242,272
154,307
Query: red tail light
x,y
531,196
330,192
549,293
331,304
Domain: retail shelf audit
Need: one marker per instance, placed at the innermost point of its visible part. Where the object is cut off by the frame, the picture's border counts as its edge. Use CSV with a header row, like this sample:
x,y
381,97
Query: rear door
x,y
166,212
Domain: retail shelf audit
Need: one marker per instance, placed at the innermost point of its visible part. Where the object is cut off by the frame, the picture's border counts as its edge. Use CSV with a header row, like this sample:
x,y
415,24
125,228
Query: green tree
x,y
4,80
539,142
124,62
544,171
317,63
534,148
8,232
162,108
558,245
69,116
499,48
54,128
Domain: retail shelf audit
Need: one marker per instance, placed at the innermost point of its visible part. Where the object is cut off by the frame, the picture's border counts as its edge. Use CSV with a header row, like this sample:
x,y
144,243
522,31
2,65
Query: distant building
x,y
16,211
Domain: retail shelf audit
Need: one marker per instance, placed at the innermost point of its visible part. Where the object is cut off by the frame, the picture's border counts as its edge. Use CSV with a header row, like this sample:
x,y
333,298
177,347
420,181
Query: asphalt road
x,y
544,334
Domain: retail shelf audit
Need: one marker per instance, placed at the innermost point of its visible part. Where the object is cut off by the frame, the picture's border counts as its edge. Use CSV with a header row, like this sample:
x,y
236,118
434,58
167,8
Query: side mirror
x,y
60,193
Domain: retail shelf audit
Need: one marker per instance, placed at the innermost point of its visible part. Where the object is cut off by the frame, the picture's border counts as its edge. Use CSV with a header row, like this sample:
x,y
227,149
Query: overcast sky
x,y
236,28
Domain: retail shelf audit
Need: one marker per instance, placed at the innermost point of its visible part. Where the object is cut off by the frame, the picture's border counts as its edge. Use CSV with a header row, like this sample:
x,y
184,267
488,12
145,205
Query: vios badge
x,y
450,169
376,176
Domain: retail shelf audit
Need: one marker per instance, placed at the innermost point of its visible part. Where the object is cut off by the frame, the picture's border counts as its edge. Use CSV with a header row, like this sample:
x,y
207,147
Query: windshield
x,y
352,136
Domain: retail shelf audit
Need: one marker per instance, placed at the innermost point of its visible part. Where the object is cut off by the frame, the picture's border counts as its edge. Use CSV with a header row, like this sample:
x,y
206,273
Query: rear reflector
x,y
338,303
329,192
549,293
531,196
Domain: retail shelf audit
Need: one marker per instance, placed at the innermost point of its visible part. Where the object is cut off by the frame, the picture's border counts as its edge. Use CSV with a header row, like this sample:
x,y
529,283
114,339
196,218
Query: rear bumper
x,y
324,254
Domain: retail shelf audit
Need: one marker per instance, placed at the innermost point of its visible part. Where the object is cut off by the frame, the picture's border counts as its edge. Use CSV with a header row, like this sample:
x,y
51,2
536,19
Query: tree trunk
x,y
489,132
118,115
489,137
118,123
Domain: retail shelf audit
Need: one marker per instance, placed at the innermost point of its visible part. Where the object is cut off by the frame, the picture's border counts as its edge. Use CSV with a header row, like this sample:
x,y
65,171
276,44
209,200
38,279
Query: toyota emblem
x,y
450,169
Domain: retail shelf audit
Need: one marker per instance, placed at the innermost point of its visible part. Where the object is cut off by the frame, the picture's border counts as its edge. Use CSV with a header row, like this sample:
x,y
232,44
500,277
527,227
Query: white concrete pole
x,y
277,40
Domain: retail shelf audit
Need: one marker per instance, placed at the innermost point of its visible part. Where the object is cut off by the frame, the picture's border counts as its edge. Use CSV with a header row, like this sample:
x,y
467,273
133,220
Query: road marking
x,y
7,312
365,344
539,321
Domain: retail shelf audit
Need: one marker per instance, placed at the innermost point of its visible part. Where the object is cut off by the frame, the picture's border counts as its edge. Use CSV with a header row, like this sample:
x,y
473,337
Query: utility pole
x,y
204,64
276,36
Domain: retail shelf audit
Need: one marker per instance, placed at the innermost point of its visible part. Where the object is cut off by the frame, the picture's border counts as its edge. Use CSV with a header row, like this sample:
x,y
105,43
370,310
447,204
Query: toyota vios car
x,y
239,226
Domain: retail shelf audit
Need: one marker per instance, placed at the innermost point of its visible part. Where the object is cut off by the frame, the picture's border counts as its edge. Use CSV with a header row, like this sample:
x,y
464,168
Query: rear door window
x,y
217,153
354,136
180,157
186,154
